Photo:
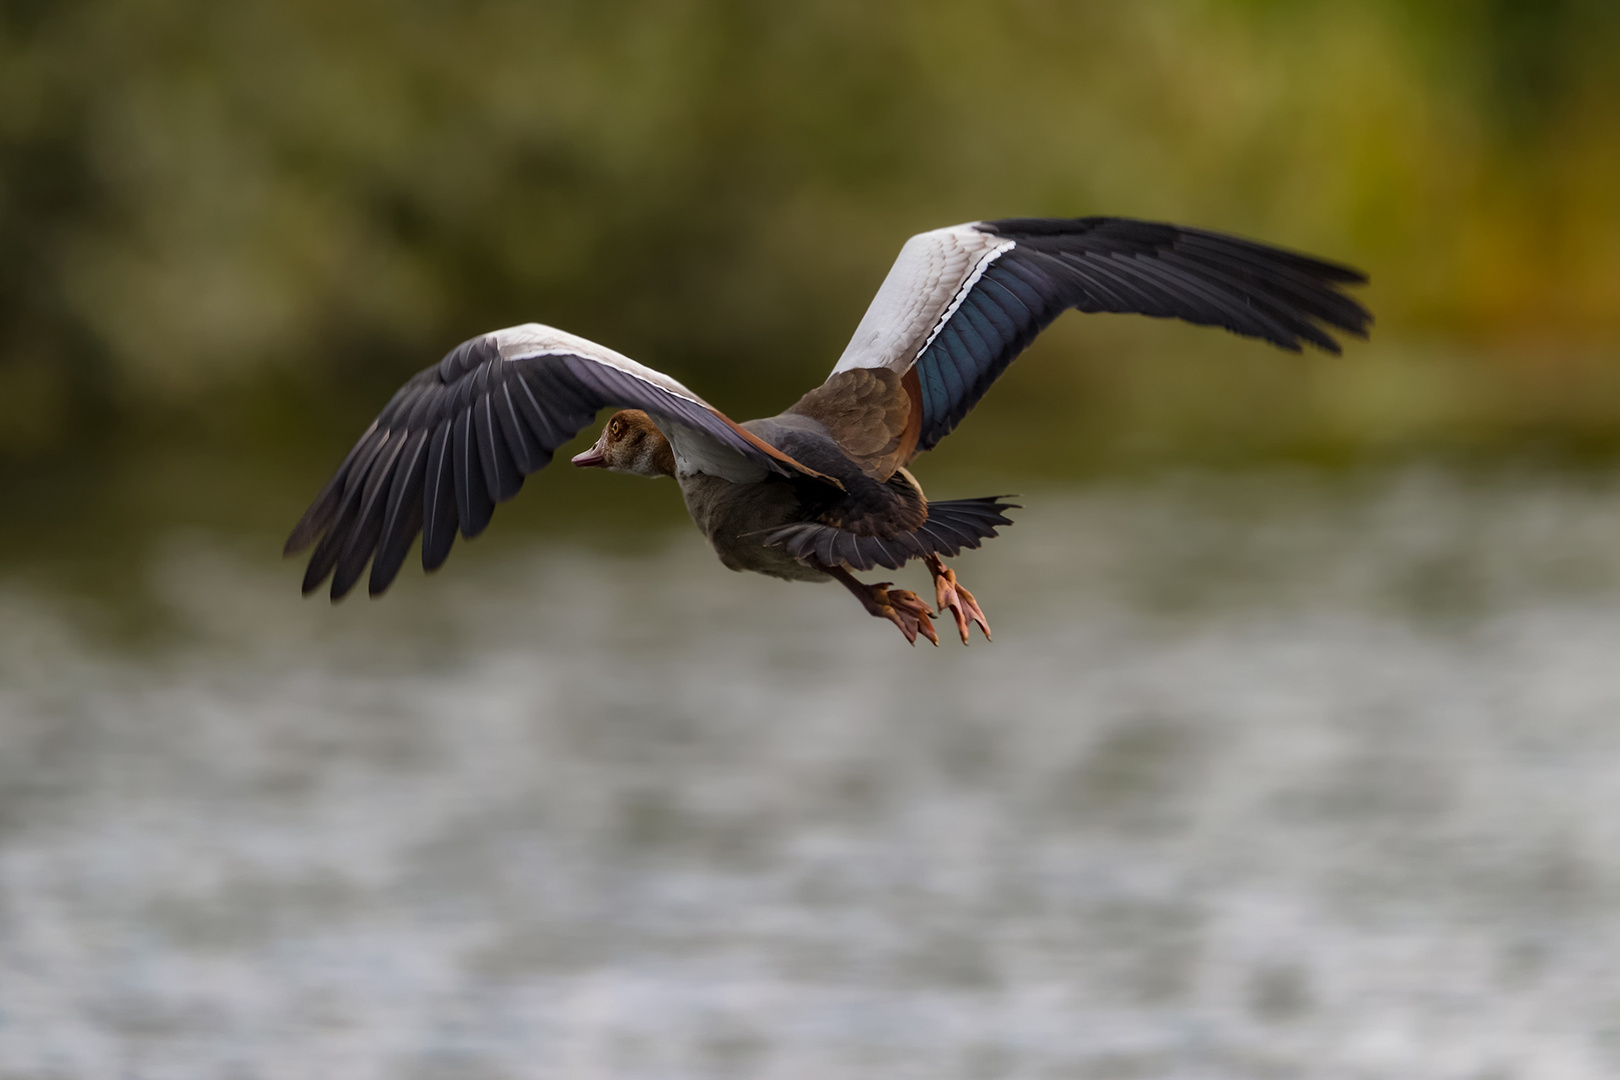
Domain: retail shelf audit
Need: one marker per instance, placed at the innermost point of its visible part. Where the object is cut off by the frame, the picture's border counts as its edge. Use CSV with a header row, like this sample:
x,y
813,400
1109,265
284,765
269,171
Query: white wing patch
x,y
695,451
698,452
927,283
536,339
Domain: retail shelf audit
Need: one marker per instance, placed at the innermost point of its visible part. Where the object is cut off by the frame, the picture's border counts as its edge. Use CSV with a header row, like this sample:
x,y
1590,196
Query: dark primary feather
x,y
1125,266
455,440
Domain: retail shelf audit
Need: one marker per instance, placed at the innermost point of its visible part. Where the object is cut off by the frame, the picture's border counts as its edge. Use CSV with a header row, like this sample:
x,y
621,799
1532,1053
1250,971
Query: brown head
x,y
630,443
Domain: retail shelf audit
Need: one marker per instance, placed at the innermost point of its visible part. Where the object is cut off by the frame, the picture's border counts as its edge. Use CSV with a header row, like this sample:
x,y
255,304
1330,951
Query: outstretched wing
x,y
961,303
460,437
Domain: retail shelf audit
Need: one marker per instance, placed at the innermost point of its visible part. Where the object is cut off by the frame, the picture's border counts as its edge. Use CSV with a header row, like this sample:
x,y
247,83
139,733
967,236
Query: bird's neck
x,y
655,457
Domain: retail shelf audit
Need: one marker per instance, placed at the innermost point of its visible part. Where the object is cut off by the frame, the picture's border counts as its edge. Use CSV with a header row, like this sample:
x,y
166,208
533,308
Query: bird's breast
x,y
736,516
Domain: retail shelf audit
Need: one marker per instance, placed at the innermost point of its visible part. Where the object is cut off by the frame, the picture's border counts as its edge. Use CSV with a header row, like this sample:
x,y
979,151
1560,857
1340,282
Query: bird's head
x,y
630,443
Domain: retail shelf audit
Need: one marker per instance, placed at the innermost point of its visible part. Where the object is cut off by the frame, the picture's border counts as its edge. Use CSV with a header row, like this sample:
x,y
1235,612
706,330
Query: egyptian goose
x,y
822,489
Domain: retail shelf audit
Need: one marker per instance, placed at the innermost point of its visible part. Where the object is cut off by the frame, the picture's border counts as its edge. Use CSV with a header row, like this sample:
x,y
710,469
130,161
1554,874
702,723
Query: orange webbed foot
x,y
905,609
902,607
951,594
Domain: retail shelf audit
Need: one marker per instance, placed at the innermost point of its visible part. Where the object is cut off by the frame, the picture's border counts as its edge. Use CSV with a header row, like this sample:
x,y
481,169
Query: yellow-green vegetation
x,y
239,226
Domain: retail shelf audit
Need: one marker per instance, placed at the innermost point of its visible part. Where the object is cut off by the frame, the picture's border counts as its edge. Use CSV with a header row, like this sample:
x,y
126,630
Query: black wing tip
x,y
1337,272
1359,327
343,584
322,512
377,582
1164,231
433,559
1332,308
1331,276
1362,325
314,578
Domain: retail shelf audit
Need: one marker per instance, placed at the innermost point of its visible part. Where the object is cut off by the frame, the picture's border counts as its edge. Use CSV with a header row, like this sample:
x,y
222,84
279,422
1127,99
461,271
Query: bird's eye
x,y
614,429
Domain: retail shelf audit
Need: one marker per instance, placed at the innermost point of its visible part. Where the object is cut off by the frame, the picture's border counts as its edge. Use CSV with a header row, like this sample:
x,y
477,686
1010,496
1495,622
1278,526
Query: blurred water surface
x,y
1263,776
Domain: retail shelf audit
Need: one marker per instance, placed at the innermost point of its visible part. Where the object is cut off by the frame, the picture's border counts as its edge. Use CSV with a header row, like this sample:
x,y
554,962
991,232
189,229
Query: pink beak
x,y
592,458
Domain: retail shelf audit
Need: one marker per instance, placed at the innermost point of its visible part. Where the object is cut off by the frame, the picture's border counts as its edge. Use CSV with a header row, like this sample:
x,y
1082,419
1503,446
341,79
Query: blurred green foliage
x,y
239,226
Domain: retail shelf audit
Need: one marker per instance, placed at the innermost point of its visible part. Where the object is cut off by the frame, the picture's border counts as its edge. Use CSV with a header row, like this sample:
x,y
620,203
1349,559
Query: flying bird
x,y
822,490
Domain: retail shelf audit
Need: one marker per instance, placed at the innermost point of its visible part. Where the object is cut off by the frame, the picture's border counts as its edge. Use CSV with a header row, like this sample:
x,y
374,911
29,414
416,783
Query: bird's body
x,y
733,517
821,489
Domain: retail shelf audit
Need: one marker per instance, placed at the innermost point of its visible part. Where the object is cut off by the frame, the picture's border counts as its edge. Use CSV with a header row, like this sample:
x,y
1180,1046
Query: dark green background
x,y
230,230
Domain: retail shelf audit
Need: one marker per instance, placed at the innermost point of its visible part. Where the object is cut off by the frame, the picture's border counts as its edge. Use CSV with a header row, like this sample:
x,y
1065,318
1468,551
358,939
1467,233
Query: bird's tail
x,y
951,525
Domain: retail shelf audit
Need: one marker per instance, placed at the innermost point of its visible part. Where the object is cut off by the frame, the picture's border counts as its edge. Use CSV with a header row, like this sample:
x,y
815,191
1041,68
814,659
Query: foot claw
x,y
906,610
973,612
951,594
900,606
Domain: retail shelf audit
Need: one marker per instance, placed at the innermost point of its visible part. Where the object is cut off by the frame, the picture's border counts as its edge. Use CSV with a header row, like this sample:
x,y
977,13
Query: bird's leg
x,y
902,607
953,595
